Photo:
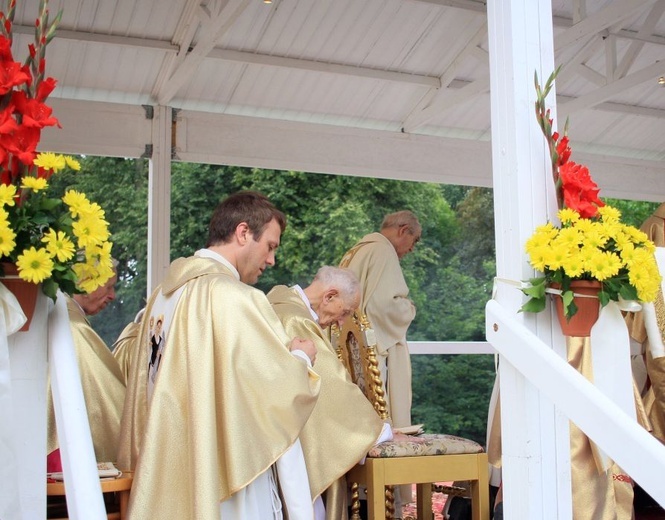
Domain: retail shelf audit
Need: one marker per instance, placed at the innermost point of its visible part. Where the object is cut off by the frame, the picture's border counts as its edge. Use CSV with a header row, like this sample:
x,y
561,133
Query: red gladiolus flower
x,y
45,88
22,144
5,50
35,113
7,122
579,191
11,72
563,151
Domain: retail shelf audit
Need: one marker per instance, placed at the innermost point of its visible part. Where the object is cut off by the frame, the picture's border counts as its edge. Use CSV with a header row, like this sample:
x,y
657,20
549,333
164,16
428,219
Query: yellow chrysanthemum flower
x,y
34,265
72,163
595,236
34,183
628,253
609,214
7,239
90,231
603,264
584,225
568,216
92,209
573,266
7,194
571,237
59,245
50,161
76,202
557,255
538,258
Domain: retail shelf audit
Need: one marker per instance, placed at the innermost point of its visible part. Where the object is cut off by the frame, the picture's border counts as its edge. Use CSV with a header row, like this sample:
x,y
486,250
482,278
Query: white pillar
x,y
27,358
159,198
535,441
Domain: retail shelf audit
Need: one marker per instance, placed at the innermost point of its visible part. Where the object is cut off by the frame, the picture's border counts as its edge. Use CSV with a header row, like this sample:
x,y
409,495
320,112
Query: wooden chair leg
x,y
424,501
480,506
124,502
376,502
390,502
355,502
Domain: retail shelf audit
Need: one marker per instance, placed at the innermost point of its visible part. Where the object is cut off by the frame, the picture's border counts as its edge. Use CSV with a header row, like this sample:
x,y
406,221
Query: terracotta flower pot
x,y
588,309
25,292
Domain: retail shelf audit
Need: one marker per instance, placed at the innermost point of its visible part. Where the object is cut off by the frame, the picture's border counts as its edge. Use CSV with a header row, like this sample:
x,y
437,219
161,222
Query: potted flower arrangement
x,y
60,243
589,243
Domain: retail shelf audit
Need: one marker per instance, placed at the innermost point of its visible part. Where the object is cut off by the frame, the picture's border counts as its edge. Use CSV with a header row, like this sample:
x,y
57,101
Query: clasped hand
x,y
306,345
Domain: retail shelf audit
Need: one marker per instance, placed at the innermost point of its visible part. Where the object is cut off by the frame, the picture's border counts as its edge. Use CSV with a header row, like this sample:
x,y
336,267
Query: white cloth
x,y
11,320
610,358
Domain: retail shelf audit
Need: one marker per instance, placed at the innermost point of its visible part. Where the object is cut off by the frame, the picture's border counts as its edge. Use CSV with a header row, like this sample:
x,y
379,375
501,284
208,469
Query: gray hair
x,y
402,218
341,278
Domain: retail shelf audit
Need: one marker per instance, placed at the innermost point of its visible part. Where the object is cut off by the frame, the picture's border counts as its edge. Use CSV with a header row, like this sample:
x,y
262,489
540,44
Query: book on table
x,y
106,470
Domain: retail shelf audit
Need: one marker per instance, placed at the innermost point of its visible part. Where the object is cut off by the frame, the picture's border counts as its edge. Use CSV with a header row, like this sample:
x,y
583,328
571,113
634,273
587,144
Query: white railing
x,y
451,347
634,449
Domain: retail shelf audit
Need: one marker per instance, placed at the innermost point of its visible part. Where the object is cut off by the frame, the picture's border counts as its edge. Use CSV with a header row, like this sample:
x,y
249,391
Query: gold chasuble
x,y
598,494
228,399
344,425
124,348
103,387
654,394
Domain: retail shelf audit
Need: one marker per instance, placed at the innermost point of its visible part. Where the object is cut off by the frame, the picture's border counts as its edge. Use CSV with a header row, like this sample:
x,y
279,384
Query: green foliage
x,y
451,393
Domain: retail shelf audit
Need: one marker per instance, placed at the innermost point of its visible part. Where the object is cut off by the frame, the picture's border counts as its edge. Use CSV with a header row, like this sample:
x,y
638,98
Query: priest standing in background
x,y
384,298
385,301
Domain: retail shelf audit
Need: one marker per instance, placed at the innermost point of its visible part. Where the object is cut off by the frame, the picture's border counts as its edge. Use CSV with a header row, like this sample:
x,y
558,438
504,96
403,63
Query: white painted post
x,y
27,359
535,439
159,198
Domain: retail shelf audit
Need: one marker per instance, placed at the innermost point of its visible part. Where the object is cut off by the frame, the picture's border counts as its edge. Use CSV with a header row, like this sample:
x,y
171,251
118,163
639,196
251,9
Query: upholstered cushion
x,y
426,444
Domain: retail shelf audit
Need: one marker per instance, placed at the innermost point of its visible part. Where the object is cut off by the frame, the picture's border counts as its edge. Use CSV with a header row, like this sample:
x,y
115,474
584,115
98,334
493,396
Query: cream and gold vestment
x,y
385,301
229,398
344,425
654,394
103,387
124,348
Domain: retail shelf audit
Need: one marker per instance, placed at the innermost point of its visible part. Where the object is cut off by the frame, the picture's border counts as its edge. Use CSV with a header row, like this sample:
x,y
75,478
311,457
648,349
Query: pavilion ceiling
x,y
414,68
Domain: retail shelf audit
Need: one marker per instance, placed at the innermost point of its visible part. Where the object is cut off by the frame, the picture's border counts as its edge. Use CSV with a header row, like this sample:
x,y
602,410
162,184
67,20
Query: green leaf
x,y
534,305
628,292
604,298
535,291
50,288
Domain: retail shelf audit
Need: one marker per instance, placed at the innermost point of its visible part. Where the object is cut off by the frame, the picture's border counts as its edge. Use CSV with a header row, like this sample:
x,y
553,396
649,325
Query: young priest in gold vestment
x,y
204,428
